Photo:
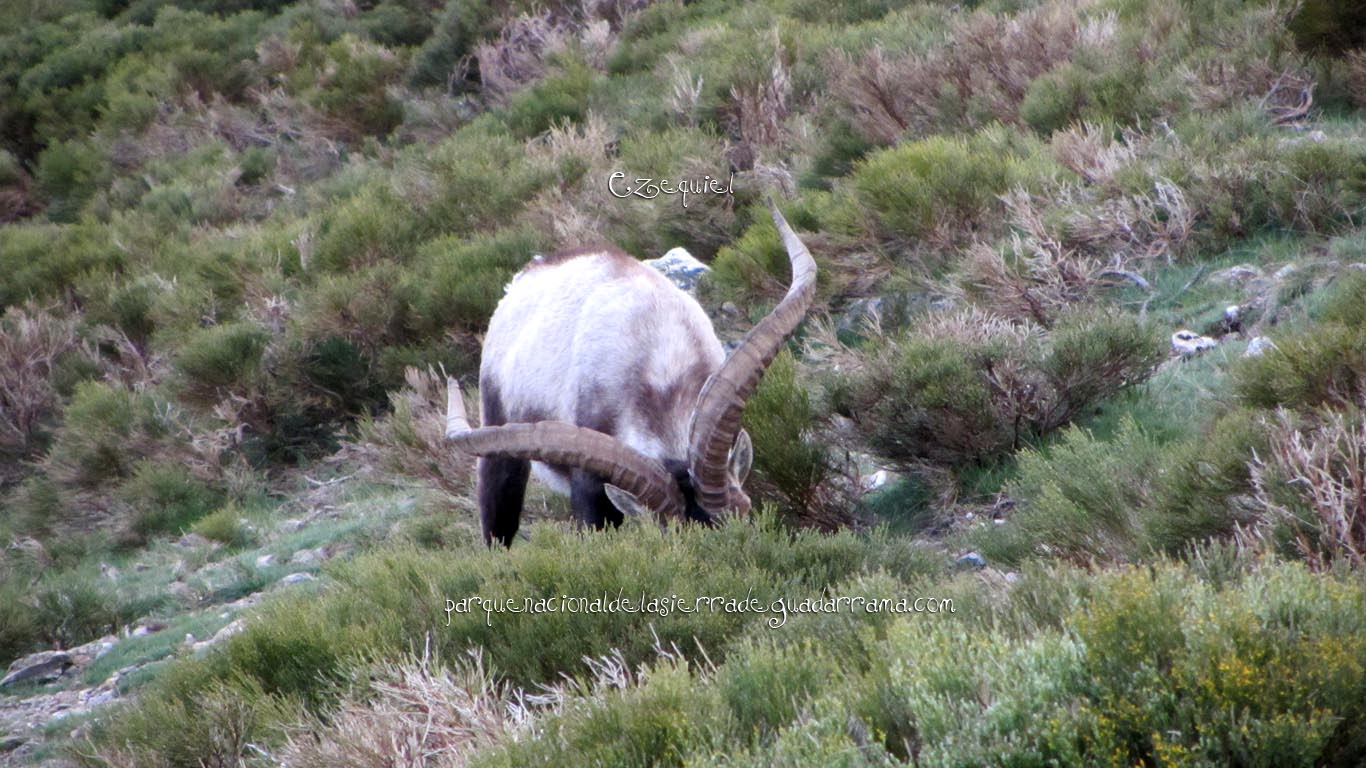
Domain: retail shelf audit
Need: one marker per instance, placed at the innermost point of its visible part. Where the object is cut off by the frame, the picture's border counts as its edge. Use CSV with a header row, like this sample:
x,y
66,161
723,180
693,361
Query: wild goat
x,y
607,377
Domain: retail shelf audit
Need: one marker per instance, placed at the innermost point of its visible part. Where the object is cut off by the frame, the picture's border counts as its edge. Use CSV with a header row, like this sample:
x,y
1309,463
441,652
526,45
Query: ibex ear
x,y
624,501
741,457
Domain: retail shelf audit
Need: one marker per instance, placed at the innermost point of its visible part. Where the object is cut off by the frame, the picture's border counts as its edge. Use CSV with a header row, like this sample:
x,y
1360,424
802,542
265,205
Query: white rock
x,y
876,480
1258,347
1187,343
265,561
296,578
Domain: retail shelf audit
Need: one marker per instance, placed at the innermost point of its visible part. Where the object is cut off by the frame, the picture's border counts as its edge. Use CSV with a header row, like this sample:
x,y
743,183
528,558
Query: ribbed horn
x,y
557,442
716,416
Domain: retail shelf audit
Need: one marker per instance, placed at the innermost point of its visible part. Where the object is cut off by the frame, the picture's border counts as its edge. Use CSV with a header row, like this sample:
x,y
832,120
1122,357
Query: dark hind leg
x,y
502,486
589,500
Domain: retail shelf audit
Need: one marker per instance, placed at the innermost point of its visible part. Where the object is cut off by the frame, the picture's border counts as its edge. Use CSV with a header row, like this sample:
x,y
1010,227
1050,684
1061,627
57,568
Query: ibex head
x,y
603,373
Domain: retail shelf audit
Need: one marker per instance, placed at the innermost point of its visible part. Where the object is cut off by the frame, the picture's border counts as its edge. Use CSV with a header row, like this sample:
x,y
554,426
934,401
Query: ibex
x,y
606,376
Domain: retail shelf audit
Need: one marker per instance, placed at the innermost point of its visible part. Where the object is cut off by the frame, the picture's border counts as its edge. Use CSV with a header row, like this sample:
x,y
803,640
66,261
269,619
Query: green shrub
x,y
456,282
560,98
790,467
220,359
1323,365
1116,92
225,526
69,174
944,188
1080,498
164,498
971,387
107,429
354,90
47,261
373,226
74,607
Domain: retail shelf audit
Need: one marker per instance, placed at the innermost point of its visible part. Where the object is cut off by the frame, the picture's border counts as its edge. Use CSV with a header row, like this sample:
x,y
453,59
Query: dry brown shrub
x,y
419,713
1312,486
760,111
1356,76
979,73
410,441
1088,151
32,341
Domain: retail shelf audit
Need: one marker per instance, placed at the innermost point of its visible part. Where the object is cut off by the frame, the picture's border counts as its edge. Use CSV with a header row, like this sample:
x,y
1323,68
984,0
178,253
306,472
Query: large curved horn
x,y
557,442
716,416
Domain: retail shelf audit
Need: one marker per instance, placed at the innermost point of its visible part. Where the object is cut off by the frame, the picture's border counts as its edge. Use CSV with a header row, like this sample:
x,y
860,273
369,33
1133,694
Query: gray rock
x,y
147,628
680,267
41,666
265,561
84,654
1237,275
972,560
10,743
192,541
296,578
1258,346
308,556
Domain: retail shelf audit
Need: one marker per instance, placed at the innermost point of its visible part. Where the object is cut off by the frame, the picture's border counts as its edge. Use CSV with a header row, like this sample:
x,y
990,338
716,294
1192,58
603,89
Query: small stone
x,y
265,561
1258,346
972,560
1284,272
192,541
1236,275
296,578
875,481
147,628
730,308
1188,343
41,666
292,524
307,557
1012,577
680,267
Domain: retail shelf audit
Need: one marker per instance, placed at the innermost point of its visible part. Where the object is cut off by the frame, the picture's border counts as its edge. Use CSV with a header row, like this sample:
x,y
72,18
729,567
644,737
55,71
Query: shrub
x,y
559,98
74,607
1080,498
69,174
971,386
353,89
106,430
34,346
1311,486
790,466
44,261
457,282
944,189
225,526
1321,365
373,226
165,499
220,359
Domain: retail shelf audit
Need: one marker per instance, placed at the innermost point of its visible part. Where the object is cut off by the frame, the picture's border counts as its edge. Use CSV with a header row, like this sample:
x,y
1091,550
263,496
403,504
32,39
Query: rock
x,y
265,561
1237,275
109,572
731,309
1284,272
1012,577
292,524
147,628
296,578
859,314
192,541
971,560
875,481
41,666
1258,346
680,267
223,634
84,654
10,743
308,556
1188,343
181,591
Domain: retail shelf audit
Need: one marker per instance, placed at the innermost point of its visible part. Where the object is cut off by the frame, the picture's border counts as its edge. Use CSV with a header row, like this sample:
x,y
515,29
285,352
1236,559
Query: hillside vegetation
x,y
241,242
